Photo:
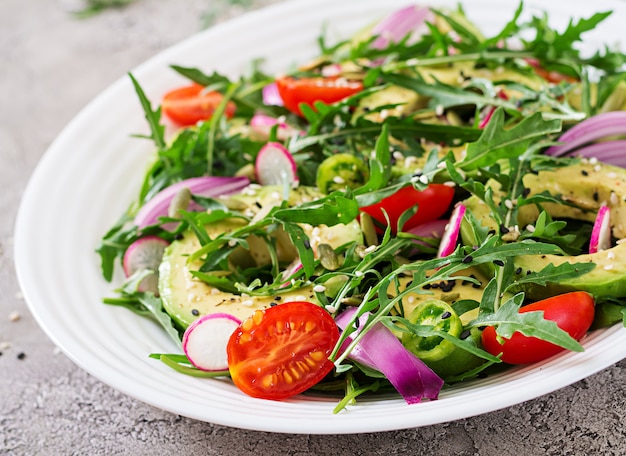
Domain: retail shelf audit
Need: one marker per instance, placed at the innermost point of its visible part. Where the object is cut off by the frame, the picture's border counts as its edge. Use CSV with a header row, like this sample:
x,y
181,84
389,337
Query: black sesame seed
x,y
435,285
446,315
503,229
178,237
272,304
518,271
482,328
525,192
21,355
195,312
476,285
357,323
491,232
595,196
427,286
464,334
498,262
529,272
447,286
257,204
307,244
277,298
467,259
584,173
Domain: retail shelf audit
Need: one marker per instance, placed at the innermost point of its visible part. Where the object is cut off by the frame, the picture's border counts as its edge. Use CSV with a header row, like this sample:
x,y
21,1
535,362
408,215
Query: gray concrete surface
x,y
50,66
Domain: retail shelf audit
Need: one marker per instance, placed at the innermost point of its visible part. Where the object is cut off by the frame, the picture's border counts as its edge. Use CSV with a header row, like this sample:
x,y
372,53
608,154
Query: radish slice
x,y
270,94
451,234
205,340
275,165
601,232
145,253
159,205
381,350
262,125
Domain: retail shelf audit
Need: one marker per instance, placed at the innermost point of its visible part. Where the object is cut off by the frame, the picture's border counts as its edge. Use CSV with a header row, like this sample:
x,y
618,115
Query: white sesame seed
x,y
397,155
608,267
330,309
611,175
300,298
423,179
597,168
593,160
14,316
508,203
613,199
439,110
370,249
530,228
319,288
358,273
339,180
232,243
410,299
247,302
449,184
610,255
5,345
215,291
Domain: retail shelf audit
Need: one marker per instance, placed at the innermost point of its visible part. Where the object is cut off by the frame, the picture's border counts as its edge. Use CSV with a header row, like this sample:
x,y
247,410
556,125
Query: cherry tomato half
x,y
282,351
432,203
309,90
191,104
572,312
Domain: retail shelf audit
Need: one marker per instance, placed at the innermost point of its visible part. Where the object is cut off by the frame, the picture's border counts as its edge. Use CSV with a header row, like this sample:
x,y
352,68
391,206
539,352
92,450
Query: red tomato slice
x,y
309,90
191,104
282,351
551,76
572,312
432,203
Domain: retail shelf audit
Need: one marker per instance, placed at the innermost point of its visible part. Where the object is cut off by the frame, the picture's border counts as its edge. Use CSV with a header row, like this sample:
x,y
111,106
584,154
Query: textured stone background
x,y
51,65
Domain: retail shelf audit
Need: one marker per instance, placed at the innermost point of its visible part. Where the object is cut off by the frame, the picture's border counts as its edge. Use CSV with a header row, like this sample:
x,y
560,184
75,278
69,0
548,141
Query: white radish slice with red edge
x,y
275,165
145,253
601,232
451,233
205,341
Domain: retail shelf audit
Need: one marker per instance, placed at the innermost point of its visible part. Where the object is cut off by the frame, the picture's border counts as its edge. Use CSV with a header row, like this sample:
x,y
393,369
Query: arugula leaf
x,y
508,320
153,117
497,143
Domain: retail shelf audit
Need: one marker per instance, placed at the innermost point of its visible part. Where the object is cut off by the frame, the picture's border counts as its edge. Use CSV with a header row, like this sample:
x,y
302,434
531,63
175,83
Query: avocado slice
x,y
587,185
185,298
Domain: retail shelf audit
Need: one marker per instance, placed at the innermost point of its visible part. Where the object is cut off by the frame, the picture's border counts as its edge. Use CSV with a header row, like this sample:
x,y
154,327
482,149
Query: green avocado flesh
x,y
586,186
186,298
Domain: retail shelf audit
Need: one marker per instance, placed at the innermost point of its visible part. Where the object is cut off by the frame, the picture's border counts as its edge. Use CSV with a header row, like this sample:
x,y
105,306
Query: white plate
x,y
93,170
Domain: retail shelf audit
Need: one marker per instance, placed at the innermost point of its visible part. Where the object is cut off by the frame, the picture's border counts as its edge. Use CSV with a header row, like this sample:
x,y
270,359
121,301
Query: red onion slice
x,y
381,350
609,152
589,130
398,25
210,186
451,234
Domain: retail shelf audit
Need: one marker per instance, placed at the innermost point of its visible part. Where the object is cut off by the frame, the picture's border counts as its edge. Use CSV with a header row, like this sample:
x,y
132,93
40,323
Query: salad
x,y
421,205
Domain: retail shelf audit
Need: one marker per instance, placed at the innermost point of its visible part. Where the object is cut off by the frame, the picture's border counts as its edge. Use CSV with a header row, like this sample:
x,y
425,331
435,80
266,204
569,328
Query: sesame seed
x,y
423,179
319,288
439,110
358,273
339,180
597,168
610,255
593,160
530,228
247,302
608,267
330,309
21,355
611,175
14,316
613,199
